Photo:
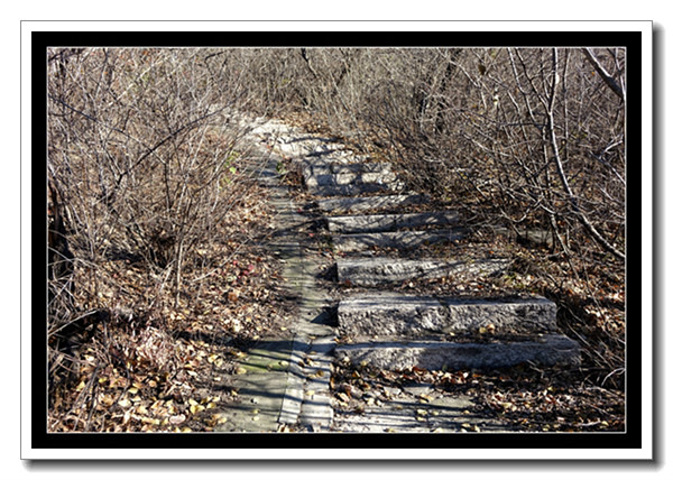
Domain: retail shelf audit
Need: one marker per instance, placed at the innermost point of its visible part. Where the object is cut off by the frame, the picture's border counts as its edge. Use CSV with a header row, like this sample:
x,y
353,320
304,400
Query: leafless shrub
x,y
135,151
144,161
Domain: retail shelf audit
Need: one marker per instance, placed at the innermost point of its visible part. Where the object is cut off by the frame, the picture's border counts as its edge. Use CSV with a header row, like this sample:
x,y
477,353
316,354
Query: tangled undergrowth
x,y
142,362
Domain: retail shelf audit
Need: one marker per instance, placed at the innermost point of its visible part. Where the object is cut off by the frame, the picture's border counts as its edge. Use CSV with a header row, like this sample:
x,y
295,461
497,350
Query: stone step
x,y
358,188
391,314
371,272
315,169
544,350
329,177
356,242
388,221
363,204
332,151
348,178
323,174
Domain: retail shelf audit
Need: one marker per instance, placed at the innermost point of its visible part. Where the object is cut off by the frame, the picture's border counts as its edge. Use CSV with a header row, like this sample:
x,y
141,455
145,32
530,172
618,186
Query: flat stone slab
x,y
316,410
371,272
355,189
389,221
544,350
348,178
364,204
261,384
336,178
404,240
314,170
390,314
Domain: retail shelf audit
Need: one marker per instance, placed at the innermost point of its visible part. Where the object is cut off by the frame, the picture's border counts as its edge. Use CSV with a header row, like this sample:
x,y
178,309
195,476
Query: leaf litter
x,y
144,362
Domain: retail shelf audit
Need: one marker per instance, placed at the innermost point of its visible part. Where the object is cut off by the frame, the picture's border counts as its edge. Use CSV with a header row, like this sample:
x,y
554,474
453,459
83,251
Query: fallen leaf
x,y
342,397
150,421
233,295
220,418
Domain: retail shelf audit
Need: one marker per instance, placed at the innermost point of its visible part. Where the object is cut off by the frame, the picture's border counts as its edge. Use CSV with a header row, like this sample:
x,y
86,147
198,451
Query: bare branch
x,y
559,166
607,78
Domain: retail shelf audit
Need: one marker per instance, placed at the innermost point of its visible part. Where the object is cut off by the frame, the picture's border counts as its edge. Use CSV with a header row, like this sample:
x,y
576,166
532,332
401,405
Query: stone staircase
x,y
367,210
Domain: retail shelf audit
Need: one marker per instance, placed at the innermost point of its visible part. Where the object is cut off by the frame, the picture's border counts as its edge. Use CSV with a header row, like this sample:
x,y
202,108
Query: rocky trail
x,y
364,354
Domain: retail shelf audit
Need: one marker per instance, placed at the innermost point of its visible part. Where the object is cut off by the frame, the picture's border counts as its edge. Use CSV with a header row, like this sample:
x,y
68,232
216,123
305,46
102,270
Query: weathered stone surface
x,y
397,315
349,178
340,173
520,315
363,204
355,189
544,350
388,222
261,386
355,242
370,272
338,177
341,166
390,314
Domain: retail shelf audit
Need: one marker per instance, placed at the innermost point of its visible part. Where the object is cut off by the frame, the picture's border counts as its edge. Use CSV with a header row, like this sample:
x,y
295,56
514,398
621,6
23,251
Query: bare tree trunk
x,y
559,165
607,78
